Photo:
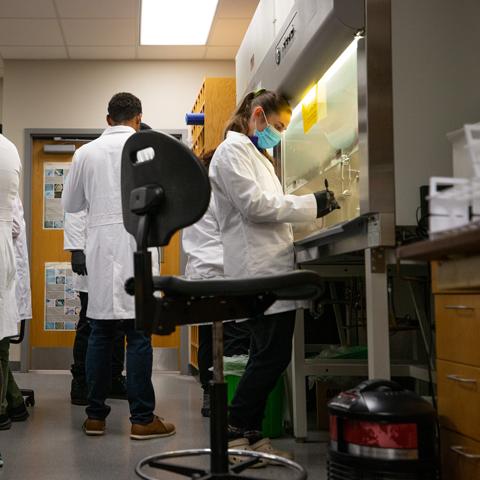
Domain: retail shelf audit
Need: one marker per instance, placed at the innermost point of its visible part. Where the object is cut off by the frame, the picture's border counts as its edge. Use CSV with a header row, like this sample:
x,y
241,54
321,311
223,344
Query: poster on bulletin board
x,y
54,176
62,304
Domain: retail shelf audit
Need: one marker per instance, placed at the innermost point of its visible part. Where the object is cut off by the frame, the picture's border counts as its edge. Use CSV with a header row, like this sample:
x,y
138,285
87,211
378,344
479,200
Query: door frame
x,y
31,134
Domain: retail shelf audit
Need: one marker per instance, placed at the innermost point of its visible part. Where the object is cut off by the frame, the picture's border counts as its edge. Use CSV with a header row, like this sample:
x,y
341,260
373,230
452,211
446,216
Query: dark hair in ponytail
x,y
271,102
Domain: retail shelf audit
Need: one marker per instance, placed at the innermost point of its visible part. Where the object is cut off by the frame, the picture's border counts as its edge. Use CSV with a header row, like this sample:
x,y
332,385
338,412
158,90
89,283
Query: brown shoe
x,y
155,429
93,427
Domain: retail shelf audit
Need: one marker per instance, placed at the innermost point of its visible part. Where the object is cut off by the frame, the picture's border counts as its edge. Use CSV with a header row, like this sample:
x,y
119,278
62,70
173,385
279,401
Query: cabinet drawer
x,y
459,398
458,328
460,457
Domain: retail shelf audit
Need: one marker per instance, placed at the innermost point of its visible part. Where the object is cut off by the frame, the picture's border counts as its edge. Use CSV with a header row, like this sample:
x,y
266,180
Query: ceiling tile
x,y
171,52
30,32
106,32
27,9
228,32
236,8
34,53
102,53
98,8
221,53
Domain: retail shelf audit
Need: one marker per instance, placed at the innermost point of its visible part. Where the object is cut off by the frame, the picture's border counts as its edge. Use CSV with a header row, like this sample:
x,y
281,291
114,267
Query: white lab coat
x,y
10,167
202,244
254,214
93,184
75,238
22,290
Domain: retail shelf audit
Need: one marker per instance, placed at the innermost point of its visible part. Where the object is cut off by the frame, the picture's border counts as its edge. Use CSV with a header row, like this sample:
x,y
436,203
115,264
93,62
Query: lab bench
x,y
455,261
375,267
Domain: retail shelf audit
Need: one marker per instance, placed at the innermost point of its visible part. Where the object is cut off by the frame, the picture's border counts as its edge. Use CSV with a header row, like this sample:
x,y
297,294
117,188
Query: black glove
x,y
79,265
326,202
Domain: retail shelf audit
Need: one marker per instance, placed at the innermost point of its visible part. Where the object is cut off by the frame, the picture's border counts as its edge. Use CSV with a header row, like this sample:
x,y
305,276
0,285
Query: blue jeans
x,y
141,396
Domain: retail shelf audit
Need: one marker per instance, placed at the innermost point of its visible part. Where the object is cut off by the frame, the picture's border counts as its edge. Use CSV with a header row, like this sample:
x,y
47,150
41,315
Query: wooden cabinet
x,y
216,99
460,457
458,328
459,397
457,317
456,284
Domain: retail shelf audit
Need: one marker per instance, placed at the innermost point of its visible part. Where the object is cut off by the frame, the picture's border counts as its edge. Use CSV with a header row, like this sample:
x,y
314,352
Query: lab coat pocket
x,y
122,302
7,260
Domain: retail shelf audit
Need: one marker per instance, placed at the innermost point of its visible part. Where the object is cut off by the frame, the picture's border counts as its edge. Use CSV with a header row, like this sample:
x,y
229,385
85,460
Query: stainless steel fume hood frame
x,y
315,33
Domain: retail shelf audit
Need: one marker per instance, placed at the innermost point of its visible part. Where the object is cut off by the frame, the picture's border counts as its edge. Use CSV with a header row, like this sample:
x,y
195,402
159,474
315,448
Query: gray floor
x,y
50,445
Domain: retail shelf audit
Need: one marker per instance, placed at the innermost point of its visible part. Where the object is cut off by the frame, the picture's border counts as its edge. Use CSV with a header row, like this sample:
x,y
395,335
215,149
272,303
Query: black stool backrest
x,y
174,168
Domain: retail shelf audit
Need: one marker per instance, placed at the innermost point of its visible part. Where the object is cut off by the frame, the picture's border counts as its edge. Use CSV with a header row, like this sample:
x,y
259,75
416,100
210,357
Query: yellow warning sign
x,y
314,106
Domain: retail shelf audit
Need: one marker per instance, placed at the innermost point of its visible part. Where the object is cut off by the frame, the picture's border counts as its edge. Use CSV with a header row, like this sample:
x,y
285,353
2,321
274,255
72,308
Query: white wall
x,y
75,94
436,87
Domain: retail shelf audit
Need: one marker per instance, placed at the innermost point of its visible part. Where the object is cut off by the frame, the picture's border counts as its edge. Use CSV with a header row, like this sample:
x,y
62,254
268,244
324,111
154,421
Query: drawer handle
x,y
458,307
458,449
457,378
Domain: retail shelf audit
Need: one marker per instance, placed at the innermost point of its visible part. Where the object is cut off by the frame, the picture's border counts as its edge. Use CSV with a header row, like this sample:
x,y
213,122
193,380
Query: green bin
x,y
272,426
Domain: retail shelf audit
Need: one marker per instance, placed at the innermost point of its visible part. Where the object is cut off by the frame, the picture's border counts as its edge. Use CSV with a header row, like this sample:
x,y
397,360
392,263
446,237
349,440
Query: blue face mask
x,y
269,137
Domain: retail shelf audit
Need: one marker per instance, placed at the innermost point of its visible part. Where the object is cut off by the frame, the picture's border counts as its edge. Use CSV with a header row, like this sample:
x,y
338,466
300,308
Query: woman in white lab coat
x,y
10,168
202,244
255,218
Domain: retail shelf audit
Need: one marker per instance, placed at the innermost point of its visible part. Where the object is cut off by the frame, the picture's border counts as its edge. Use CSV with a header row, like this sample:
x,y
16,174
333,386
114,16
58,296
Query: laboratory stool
x,y
161,195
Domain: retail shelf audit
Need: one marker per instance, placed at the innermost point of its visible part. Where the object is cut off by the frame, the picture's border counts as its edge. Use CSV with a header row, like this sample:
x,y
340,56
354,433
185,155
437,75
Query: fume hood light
x,y
176,22
339,62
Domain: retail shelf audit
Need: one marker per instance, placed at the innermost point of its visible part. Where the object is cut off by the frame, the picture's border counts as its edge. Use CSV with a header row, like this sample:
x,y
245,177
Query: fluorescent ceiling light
x,y
176,22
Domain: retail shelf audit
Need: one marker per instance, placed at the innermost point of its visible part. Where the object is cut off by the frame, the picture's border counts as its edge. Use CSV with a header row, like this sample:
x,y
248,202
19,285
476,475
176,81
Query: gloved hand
x,y
79,265
326,202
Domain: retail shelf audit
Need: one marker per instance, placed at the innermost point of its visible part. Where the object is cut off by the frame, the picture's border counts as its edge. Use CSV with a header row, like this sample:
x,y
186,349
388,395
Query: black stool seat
x,y
290,286
191,302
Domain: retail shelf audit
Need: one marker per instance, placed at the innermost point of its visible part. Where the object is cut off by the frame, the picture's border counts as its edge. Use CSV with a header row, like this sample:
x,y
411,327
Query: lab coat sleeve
x,y
73,197
233,174
22,286
75,231
17,218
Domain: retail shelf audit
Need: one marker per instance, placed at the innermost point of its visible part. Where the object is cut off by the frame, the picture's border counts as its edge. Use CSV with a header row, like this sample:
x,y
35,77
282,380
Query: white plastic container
x,y
449,207
472,136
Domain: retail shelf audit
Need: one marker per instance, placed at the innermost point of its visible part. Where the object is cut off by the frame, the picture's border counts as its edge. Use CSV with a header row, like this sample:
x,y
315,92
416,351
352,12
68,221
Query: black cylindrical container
x,y
379,431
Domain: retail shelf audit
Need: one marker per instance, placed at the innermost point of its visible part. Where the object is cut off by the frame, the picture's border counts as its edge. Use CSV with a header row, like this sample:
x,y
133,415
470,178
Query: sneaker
x,y
18,414
157,428
119,388
78,392
206,405
242,444
5,422
264,446
93,427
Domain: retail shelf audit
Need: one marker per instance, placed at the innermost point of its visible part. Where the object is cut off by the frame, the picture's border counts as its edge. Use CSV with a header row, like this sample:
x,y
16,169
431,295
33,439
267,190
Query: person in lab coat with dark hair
x,y
93,184
255,218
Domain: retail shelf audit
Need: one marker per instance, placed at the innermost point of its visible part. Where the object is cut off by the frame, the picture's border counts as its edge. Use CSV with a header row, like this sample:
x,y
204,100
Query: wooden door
x,y
49,328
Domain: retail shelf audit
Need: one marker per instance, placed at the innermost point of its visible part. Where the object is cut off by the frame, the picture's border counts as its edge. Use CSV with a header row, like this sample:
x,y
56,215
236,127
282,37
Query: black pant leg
x,y
205,358
236,338
81,340
270,354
